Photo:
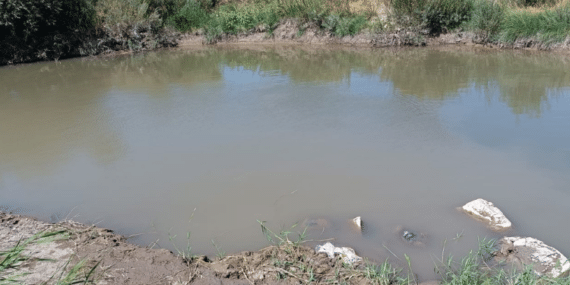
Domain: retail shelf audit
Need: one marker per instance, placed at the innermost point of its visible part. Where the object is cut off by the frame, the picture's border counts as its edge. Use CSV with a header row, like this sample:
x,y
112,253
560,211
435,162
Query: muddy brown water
x,y
209,141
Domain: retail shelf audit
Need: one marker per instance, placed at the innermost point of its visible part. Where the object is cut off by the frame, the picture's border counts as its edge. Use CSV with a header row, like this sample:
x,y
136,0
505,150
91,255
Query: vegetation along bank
x,y
55,29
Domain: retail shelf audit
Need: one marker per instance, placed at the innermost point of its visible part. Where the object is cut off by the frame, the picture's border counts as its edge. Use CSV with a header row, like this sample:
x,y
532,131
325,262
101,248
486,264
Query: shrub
x,y
343,26
487,18
191,15
233,19
407,7
124,12
29,19
444,15
41,29
165,8
436,15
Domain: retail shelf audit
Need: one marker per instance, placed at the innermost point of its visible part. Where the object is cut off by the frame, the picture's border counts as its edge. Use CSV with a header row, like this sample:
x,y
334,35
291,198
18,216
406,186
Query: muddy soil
x,y
118,262
288,32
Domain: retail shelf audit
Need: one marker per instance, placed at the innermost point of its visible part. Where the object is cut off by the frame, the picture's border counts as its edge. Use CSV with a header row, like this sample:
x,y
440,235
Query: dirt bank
x,y
100,256
288,32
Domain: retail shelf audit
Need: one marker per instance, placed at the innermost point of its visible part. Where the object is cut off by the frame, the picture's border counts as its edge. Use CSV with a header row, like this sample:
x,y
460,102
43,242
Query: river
x,y
204,142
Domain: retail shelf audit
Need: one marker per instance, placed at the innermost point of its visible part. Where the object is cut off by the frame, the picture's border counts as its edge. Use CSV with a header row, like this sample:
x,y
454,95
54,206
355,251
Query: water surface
x,y
209,141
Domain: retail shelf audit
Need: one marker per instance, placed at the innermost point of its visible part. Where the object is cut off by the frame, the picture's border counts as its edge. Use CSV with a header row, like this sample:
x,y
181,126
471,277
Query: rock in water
x,y
318,223
530,251
357,222
487,212
411,237
408,236
346,253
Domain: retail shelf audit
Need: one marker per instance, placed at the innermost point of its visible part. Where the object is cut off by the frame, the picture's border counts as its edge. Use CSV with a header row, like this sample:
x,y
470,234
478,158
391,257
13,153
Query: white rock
x,y
486,211
358,222
346,253
526,250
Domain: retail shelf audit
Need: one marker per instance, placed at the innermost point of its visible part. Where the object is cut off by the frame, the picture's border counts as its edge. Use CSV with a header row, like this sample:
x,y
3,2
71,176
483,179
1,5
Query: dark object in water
x,y
409,236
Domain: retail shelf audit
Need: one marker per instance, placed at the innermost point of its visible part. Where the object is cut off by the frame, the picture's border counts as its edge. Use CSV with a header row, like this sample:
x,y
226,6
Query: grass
x,y
219,252
283,237
80,273
492,21
297,265
475,269
13,259
333,16
53,29
487,19
550,25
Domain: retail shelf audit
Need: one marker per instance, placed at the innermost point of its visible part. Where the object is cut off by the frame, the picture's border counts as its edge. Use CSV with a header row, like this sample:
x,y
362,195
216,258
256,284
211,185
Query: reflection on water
x,y
400,137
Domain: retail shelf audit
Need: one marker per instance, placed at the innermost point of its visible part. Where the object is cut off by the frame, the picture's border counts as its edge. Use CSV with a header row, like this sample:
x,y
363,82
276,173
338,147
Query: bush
x,y
42,29
192,15
33,18
443,15
344,26
233,19
408,7
436,15
487,19
165,8
124,12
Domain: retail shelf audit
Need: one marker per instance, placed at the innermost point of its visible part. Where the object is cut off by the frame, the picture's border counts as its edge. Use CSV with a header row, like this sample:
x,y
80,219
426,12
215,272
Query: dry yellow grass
x,y
368,7
539,8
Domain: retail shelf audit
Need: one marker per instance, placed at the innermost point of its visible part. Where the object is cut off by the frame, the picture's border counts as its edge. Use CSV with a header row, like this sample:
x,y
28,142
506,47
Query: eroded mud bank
x,y
109,258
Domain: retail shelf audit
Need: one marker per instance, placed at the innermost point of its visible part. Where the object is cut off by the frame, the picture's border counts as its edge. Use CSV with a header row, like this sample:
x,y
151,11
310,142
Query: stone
x,y
408,236
411,237
347,254
486,211
317,223
525,251
357,222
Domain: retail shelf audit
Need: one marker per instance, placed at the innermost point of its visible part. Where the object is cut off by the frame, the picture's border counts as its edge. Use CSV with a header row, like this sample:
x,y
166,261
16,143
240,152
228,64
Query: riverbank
x,y
52,31
36,252
71,253
286,33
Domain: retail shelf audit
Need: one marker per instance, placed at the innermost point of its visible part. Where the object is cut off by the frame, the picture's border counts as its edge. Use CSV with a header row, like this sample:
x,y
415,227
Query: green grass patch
x,y
12,259
474,269
549,26
344,26
487,19
331,15
191,16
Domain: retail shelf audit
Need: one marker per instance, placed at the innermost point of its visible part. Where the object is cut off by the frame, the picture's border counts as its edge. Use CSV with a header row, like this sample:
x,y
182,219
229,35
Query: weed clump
x,y
445,15
191,16
548,26
487,19
437,16
344,26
